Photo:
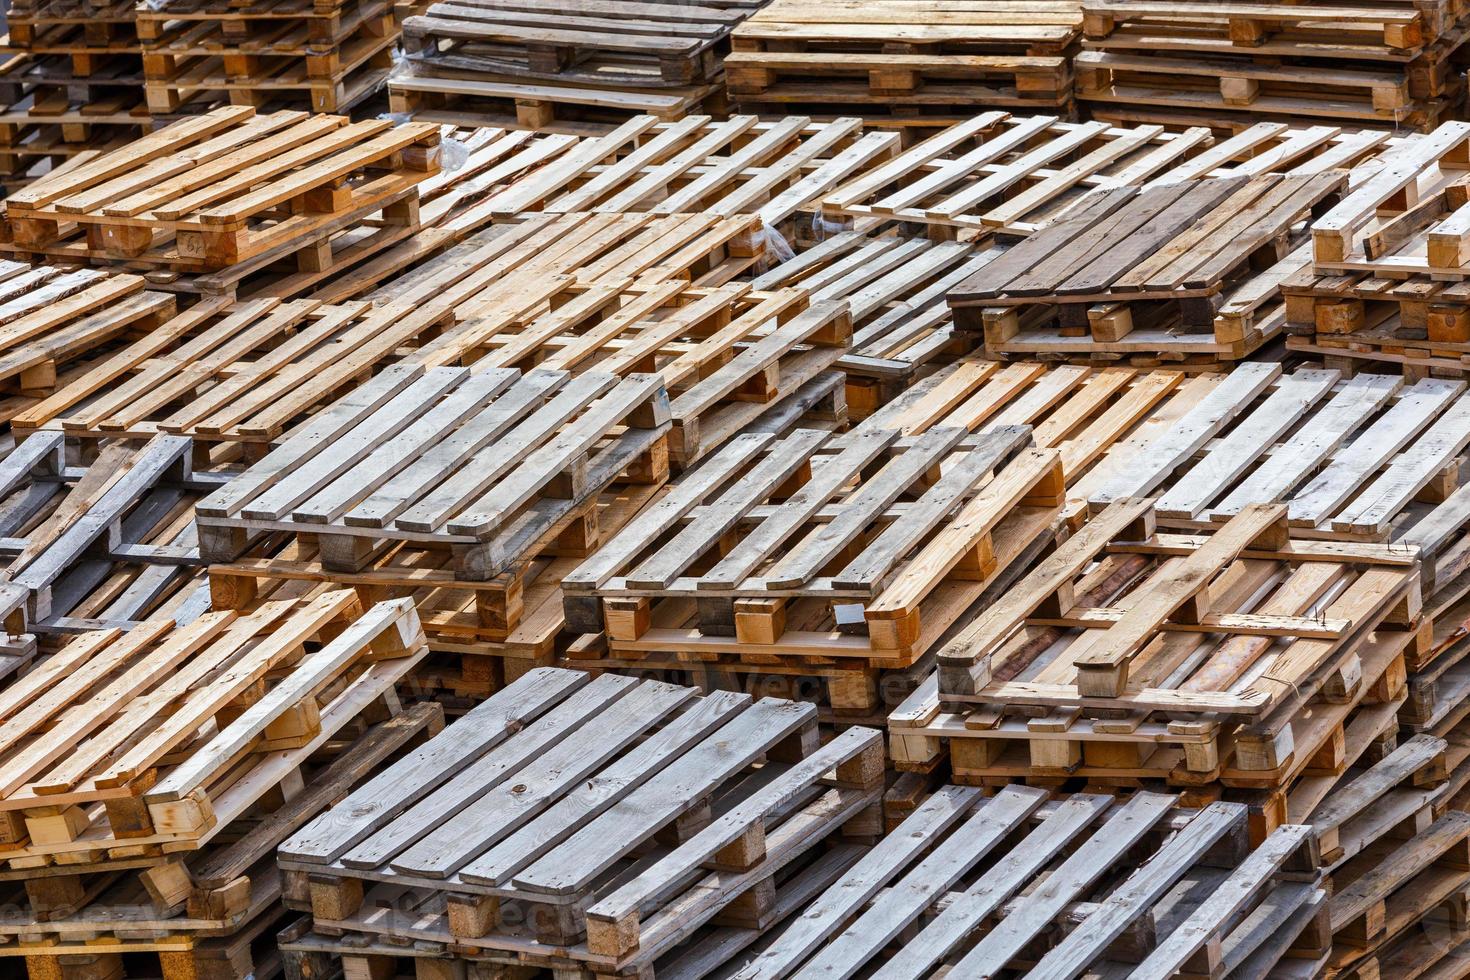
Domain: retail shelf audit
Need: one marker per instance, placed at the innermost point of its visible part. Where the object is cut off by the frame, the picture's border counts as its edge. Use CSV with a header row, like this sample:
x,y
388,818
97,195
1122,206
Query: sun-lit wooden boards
x,y
587,824
563,66
138,766
905,64
1230,64
228,192
323,56
1185,272
814,554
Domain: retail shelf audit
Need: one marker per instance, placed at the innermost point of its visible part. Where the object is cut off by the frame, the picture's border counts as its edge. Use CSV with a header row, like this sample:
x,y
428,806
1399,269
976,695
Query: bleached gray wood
x,y
577,862
1295,394
1415,409
1226,901
653,883
918,957
829,474
1300,456
438,461
1133,898
720,515
391,792
505,807
452,796
903,903
332,501
1067,883
346,449
861,508
587,801
857,887
1385,497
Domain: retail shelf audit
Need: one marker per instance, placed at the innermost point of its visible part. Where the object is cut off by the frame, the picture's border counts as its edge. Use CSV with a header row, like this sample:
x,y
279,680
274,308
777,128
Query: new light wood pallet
x,y
1010,175
460,481
1232,658
208,913
232,374
1184,272
230,190
107,759
103,545
516,176
586,824
1144,887
54,322
1391,64
935,56
815,555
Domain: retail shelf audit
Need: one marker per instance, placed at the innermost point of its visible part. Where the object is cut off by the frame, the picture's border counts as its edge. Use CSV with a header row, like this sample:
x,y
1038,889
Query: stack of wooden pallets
x,y
325,55
1185,272
905,65
1230,64
815,556
1363,710
149,775
577,824
1387,287
565,66
71,84
204,202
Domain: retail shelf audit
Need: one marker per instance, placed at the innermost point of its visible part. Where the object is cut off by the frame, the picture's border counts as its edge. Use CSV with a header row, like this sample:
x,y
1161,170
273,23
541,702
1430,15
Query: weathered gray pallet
x,y
522,834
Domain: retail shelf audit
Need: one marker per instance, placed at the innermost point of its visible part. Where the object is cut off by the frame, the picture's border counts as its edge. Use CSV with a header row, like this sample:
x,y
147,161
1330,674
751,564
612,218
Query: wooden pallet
x,y
1183,271
743,165
53,320
759,557
1090,417
331,82
202,911
795,52
1146,888
561,882
207,194
1389,64
997,173
101,546
472,479
1143,691
85,729
653,45
232,373
215,28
